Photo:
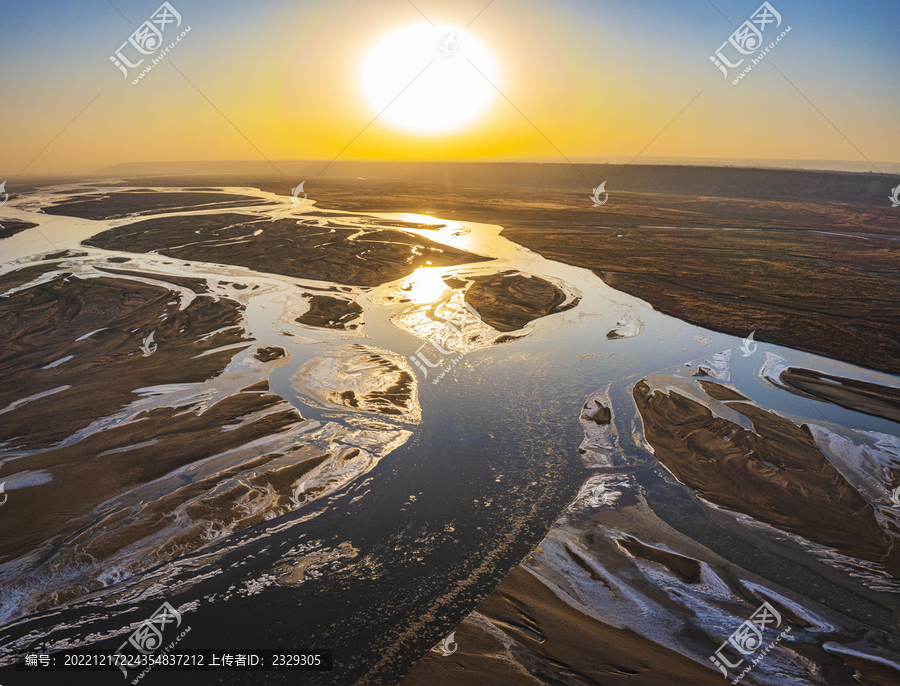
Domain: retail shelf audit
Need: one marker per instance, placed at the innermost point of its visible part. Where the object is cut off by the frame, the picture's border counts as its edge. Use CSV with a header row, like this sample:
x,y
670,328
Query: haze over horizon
x,y
353,168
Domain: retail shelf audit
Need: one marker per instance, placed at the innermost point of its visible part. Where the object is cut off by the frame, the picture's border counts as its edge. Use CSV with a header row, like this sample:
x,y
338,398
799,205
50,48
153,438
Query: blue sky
x,y
597,78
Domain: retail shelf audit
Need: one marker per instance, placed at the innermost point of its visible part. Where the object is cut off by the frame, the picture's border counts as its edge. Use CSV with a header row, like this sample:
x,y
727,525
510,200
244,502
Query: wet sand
x,y
118,383
329,312
10,227
711,253
291,247
525,634
121,203
775,473
881,401
75,346
508,301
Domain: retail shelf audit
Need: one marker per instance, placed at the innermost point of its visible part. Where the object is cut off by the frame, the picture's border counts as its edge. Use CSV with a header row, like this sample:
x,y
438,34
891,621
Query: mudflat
x,y
775,473
565,646
734,251
508,301
874,399
134,202
10,227
309,249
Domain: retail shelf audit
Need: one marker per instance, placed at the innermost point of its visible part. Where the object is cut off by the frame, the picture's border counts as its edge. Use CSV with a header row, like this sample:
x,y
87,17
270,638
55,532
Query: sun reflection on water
x,y
427,286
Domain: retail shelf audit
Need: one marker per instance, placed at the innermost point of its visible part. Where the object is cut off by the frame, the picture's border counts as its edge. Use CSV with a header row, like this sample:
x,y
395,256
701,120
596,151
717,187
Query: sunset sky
x,y
596,78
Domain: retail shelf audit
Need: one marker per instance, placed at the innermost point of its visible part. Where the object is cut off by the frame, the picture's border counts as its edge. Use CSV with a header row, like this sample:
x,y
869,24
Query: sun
x,y
452,91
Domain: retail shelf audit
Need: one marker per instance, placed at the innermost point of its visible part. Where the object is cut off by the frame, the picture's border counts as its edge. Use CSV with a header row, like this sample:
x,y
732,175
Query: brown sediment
x,y
19,277
361,378
330,313
113,317
785,611
112,536
349,398
868,672
125,203
506,339
597,412
272,352
455,283
107,463
685,568
124,457
538,626
41,326
396,398
304,460
717,391
189,282
585,566
562,646
786,274
776,473
285,246
10,227
62,254
375,221
787,286
862,396
507,301
156,515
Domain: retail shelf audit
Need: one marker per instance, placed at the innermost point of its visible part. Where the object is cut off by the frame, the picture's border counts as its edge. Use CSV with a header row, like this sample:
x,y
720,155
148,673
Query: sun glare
x,y
427,286
449,94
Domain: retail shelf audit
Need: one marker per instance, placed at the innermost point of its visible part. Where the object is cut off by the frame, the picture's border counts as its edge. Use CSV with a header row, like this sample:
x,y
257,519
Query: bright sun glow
x,y
449,94
427,286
